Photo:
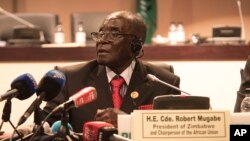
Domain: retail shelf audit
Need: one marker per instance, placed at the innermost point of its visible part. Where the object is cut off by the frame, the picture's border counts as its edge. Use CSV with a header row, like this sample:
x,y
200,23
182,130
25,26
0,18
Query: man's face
x,y
115,53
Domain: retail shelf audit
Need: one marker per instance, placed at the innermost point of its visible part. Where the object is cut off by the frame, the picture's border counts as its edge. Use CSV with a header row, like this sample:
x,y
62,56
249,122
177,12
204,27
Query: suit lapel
x,y
140,84
100,81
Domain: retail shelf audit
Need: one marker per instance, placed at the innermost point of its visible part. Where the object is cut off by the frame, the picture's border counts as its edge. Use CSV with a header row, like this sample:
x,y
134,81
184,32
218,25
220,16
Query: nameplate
x,y
124,125
180,125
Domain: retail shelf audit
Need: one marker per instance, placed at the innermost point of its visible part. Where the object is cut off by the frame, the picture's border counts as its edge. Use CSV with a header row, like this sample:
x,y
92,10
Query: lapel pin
x,y
134,95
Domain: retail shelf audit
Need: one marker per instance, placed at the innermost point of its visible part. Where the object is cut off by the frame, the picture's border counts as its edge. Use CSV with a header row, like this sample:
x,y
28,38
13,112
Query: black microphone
x,y
22,88
187,101
48,88
154,78
101,131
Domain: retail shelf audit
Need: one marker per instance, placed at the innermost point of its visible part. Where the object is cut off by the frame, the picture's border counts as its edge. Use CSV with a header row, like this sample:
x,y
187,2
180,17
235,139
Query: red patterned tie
x,y
116,84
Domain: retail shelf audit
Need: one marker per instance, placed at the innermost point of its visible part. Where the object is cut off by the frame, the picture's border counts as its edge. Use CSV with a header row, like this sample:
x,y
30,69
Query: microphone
x,y
98,131
178,101
48,88
101,131
56,126
154,78
22,88
82,97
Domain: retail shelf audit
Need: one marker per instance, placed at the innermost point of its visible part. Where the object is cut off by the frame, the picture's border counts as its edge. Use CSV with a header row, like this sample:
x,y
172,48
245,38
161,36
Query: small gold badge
x,y
134,95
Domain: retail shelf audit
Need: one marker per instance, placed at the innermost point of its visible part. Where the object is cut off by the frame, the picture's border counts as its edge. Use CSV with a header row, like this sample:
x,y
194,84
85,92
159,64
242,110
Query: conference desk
x,y
151,53
204,70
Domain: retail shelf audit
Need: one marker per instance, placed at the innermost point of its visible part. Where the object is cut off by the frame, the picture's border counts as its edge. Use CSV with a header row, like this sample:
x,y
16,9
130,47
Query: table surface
x,y
151,53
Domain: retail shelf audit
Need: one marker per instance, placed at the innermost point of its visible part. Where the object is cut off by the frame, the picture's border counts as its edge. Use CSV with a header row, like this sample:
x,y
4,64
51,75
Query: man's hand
x,y
108,115
5,136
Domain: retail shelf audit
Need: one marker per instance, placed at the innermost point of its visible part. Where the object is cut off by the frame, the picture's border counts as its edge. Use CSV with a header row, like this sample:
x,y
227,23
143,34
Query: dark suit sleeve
x,y
245,83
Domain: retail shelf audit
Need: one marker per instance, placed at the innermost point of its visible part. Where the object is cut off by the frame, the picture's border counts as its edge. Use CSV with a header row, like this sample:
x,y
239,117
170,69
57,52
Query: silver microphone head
x,y
152,77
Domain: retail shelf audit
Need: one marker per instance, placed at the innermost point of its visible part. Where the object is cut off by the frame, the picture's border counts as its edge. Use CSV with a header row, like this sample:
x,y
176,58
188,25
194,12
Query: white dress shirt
x,y
126,75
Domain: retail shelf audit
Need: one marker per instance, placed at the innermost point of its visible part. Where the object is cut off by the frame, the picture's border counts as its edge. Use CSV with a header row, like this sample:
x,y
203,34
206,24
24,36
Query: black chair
x,y
46,22
156,65
91,21
164,66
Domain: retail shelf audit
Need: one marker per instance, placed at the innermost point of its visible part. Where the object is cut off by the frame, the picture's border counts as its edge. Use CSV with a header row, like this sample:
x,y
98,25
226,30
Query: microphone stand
x,y
6,116
38,120
63,133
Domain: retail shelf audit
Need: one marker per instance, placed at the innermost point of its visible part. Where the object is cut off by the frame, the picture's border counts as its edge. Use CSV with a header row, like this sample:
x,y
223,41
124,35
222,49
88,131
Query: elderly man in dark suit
x,y
119,43
245,83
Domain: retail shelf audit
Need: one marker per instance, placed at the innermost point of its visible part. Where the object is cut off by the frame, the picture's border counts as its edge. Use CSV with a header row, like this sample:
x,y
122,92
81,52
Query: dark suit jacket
x,y
91,74
245,83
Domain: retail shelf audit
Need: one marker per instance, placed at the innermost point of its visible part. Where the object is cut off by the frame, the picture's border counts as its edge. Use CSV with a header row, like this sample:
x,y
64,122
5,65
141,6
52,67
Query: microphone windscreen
x,y
56,126
52,83
84,96
26,86
98,130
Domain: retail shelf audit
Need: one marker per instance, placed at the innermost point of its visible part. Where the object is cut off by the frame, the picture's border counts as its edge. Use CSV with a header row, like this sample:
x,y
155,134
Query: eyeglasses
x,y
109,35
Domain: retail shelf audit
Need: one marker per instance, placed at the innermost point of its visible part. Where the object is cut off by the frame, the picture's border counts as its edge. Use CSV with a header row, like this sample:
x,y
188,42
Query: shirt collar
x,y
126,74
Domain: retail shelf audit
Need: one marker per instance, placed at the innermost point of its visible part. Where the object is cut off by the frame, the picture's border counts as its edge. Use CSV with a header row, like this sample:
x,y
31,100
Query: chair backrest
x,y
164,66
91,21
45,21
